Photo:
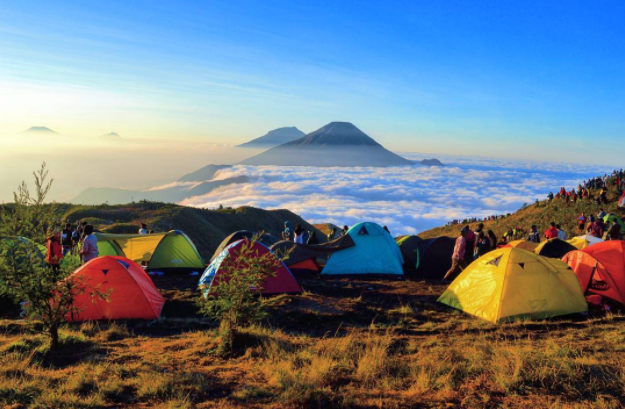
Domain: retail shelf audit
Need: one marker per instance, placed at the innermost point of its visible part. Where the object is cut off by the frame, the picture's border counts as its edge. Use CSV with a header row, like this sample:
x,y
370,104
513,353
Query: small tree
x,y
24,276
234,297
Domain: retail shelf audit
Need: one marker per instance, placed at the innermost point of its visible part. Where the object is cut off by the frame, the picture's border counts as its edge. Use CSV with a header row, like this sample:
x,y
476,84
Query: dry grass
x,y
415,354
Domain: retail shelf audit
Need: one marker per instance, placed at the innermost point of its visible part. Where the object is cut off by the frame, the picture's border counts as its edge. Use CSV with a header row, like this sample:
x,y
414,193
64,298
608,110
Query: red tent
x,y
282,282
131,293
600,269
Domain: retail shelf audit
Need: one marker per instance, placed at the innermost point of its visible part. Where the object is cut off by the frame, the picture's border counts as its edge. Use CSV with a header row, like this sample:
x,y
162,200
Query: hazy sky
x,y
526,79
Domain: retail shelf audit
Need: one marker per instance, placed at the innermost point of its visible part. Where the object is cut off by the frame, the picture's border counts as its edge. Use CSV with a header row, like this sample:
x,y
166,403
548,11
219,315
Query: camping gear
x,y
600,270
303,258
281,282
130,293
159,251
523,245
266,239
374,252
581,242
511,283
434,258
409,246
554,248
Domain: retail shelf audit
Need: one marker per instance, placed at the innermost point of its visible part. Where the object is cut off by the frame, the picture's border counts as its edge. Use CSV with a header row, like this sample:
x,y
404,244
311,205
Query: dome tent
x,y
409,246
130,291
511,283
266,239
581,242
434,257
523,245
600,269
375,253
282,282
161,251
554,248
303,257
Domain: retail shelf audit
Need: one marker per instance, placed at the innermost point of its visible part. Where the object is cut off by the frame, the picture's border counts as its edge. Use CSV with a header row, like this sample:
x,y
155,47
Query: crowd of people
x,y
77,240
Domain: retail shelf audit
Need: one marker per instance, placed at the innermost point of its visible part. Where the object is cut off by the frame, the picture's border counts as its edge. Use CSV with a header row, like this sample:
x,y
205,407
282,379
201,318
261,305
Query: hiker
x,y
596,228
287,234
471,240
493,240
581,222
332,234
55,252
534,236
614,232
483,245
313,238
457,258
601,213
550,196
344,231
386,230
509,235
89,249
561,233
143,229
66,239
551,232
306,236
299,234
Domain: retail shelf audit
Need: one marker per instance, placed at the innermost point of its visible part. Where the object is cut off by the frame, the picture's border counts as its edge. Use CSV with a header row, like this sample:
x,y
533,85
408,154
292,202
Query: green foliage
x,y
24,276
234,297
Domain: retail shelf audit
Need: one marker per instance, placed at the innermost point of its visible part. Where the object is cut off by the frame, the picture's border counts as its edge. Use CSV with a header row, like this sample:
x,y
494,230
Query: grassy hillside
x,y
343,343
207,228
540,214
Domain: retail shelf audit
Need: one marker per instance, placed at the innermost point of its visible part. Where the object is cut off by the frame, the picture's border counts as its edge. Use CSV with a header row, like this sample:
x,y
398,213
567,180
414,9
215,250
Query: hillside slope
x,y
207,228
540,214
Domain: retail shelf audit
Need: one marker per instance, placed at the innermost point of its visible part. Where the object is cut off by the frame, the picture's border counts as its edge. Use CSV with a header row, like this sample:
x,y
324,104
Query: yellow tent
x,y
512,283
581,242
523,244
170,250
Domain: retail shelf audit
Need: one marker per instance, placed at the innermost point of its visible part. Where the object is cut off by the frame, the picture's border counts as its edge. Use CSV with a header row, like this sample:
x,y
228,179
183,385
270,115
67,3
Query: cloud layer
x,y
406,199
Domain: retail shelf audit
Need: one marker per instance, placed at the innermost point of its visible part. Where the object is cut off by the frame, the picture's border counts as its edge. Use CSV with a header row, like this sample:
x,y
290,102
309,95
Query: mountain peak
x,y
40,129
111,135
274,137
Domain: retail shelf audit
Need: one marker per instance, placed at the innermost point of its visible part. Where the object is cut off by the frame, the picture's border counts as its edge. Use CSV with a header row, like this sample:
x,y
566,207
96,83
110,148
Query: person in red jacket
x,y
551,232
55,252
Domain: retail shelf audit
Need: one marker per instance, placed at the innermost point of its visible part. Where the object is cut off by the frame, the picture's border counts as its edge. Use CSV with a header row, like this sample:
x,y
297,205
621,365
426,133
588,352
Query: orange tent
x,y
600,269
131,293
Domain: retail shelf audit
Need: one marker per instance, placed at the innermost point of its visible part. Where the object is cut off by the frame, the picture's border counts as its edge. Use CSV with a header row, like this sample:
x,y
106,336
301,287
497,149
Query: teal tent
x,y
375,253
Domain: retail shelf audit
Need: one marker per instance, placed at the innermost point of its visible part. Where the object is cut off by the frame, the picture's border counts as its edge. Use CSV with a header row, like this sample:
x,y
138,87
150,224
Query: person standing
x,y
299,234
287,234
55,252
561,233
551,232
143,229
457,258
66,239
89,249
534,236
471,241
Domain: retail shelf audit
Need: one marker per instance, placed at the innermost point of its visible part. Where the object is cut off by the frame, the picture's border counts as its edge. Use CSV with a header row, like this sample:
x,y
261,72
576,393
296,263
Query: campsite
x,y
362,320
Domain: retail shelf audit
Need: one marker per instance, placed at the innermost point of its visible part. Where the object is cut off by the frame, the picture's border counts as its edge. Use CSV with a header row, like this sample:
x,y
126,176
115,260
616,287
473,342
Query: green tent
x,y
375,253
159,251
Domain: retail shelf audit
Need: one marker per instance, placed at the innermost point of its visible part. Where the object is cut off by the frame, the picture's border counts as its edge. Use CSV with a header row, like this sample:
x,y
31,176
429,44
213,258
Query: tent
x,y
523,245
282,282
434,257
554,248
375,253
510,283
600,269
612,218
266,239
409,246
581,242
303,258
130,291
160,251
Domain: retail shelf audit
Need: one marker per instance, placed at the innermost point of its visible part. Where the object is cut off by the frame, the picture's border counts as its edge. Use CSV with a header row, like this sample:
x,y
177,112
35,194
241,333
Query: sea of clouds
x,y
406,199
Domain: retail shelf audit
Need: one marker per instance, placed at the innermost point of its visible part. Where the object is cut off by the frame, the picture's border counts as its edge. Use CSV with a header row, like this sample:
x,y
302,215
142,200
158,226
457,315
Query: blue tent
x,y
375,252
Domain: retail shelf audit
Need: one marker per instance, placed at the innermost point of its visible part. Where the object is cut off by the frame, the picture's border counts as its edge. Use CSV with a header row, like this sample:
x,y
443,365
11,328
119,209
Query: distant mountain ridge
x,y
274,138
111,135
40,130
335,144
